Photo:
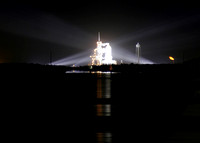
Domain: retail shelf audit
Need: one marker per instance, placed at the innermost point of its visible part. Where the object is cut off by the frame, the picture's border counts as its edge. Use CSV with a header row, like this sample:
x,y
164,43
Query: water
x,y
141,109
103,106
99,107
97,96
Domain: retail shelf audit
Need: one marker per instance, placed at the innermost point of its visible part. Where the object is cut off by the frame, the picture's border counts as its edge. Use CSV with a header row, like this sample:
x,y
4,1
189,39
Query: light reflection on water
x,y
103,85
103,105
104,137
103,91
103,109
111,127
77,71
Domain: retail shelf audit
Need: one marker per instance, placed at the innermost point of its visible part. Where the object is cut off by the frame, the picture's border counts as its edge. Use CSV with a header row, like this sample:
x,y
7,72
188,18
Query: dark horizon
x,y
142,103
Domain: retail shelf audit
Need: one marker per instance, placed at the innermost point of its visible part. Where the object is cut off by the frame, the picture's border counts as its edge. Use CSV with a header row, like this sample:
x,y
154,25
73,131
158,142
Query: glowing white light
x,y
137,45
102,54
138,51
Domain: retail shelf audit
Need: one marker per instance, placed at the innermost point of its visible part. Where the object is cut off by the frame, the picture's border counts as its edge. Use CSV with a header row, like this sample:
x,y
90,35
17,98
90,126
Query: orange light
x,y
171,58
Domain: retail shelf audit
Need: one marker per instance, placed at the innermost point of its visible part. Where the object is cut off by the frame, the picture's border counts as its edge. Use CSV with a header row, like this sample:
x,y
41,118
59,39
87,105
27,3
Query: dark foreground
x,y
158,103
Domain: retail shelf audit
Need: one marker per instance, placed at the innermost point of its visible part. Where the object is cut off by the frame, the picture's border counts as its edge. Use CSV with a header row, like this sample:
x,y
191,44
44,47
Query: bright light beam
x,y
128,56
77,59
45,27
156,29
162,46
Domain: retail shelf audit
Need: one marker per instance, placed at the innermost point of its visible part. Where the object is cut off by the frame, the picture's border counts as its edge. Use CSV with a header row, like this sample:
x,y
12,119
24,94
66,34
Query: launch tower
x,y
102,54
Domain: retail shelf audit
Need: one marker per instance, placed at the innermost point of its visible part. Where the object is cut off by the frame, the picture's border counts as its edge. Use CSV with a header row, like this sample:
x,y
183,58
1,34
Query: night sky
x,y
67,30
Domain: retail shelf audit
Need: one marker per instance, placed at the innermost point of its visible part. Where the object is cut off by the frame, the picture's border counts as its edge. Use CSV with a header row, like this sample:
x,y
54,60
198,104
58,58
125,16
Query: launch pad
x,y
102,54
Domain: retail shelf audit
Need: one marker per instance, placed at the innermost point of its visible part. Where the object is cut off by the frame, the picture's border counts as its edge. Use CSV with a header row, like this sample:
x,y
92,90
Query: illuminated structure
x,y
102,54
138,51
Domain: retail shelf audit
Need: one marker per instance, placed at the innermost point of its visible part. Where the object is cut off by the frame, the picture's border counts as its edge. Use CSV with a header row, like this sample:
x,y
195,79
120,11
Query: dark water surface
x,y
100,107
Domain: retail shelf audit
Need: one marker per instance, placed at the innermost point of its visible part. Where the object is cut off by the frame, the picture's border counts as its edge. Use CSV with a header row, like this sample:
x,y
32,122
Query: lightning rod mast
x,y
138,51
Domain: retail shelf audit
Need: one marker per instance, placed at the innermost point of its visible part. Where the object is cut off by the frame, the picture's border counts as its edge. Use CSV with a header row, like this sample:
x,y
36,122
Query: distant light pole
x,y
171,58
138,51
